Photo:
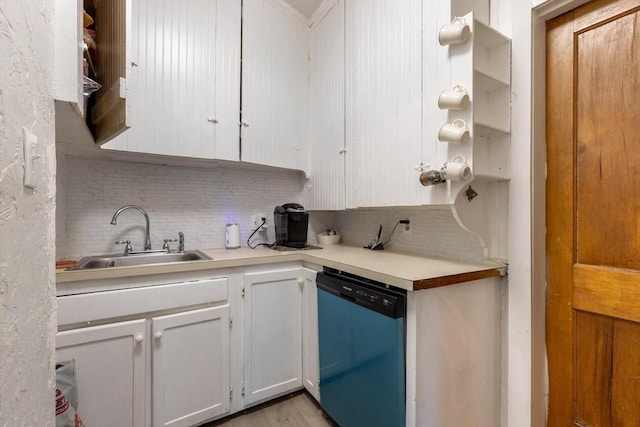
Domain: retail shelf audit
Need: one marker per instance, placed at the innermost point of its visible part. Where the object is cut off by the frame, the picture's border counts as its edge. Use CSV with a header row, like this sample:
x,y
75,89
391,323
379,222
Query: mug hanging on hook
x,y
454,99
456,169
455,132
456,32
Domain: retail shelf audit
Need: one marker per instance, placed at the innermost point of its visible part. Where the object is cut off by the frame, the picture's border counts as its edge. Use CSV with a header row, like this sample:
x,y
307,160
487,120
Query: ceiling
x,y
305,7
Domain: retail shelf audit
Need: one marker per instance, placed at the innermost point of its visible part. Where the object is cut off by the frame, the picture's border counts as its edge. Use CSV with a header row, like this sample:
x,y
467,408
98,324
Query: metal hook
x,y
470,193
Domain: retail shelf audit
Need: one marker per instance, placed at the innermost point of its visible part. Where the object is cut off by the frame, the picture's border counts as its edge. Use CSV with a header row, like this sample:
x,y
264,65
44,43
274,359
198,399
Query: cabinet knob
x,y
344,150
212,120
244,124
158,335
300,280
139,338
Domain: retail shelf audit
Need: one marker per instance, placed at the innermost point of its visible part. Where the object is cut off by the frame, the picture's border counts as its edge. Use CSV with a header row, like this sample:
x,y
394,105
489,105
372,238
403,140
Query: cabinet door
x,y
310,352
383,101
273,334
185,79
110,372
274,85
190,366
110,114
326,111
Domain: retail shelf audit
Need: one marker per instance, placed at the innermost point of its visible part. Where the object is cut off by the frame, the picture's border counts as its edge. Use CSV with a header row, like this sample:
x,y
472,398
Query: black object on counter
x,y
291,222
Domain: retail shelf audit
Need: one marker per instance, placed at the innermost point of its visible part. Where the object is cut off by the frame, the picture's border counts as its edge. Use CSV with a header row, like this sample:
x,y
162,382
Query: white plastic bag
x,y
67,395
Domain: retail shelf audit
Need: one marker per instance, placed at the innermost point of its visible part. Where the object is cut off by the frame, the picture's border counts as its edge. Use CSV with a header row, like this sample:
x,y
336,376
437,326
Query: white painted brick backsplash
x,y
200,201
197,201
434,232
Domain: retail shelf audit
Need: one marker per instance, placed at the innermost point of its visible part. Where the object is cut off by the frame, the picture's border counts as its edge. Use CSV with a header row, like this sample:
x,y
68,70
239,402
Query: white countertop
x,y
406,271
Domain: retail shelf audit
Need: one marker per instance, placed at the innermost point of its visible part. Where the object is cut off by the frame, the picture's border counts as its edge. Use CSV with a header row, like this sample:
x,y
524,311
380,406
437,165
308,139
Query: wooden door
x,y
593,215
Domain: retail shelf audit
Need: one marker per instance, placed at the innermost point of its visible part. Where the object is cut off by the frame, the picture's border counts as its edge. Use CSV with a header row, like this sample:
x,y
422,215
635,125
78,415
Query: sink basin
x,y
107,261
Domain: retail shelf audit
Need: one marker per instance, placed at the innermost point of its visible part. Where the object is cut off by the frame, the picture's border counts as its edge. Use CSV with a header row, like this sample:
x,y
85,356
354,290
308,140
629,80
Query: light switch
x,y
30,142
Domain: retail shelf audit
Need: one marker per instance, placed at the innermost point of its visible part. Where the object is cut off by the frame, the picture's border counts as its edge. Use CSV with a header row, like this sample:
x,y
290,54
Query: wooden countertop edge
x,y
455,278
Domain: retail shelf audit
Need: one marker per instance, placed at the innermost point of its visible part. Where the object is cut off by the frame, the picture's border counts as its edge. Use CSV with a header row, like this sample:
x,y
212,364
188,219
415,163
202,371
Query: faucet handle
x,y
166,244
127,244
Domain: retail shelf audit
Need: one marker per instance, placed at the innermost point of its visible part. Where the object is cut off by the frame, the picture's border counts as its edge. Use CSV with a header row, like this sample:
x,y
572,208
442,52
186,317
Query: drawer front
x,y
126,302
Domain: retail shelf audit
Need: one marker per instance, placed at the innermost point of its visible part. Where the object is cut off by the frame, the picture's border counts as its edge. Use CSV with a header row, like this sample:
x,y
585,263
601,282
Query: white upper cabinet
x,y
274,85
185,79
109,115
383,102
327,155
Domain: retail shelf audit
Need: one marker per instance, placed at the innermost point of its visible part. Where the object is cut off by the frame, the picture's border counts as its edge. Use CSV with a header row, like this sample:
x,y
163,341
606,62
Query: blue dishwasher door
x,y
362,371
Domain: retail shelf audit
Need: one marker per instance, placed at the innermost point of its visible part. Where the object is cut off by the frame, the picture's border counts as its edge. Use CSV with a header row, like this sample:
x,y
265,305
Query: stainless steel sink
x,y
107,261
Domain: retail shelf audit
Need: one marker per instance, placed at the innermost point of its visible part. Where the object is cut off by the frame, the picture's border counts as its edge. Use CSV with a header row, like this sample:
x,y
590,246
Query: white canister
x,y
232,236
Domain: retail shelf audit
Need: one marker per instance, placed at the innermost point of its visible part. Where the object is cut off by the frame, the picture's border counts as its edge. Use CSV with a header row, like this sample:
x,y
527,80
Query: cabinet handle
x,y
244,124
139,338
344,150
158,335
212,120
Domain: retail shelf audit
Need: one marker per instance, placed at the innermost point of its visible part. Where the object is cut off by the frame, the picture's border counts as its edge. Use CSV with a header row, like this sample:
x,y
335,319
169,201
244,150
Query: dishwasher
x,y
361,329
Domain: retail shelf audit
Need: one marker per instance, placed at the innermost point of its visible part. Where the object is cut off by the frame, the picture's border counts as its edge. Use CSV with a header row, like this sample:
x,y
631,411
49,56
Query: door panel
x,y
190,366
608,150
607,291
273,334
110,372
607,371
275,62
594,336
593,215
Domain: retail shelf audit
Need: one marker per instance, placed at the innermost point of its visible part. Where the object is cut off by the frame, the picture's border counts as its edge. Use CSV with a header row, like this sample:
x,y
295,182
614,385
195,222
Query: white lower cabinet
x,y
168,367
166,350
272,333
310,350
190,366
110,371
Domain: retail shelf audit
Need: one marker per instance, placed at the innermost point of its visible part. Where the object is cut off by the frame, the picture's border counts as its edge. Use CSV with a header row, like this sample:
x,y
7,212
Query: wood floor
x,y
297,409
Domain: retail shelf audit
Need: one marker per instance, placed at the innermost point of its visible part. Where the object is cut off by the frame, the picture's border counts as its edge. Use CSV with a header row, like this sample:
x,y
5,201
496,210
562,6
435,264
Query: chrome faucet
x,y
147,241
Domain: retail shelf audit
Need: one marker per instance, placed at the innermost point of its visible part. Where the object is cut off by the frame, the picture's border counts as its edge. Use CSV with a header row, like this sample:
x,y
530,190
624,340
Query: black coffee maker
x,y
291,221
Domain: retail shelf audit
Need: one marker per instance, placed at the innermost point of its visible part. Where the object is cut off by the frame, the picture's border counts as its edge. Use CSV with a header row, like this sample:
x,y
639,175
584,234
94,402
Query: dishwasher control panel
x,y
367,293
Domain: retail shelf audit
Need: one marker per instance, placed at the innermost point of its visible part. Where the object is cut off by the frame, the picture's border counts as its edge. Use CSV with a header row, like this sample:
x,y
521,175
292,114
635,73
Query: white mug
x,y
456,169
454,33
454,99
455,132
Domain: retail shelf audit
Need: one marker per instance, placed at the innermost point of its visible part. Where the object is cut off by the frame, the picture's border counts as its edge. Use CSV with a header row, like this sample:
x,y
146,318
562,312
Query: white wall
x,y
524,401
27,240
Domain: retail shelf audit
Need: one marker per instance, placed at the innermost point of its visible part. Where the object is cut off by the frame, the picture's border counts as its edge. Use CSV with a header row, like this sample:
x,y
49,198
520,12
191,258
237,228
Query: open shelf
x,y
491,103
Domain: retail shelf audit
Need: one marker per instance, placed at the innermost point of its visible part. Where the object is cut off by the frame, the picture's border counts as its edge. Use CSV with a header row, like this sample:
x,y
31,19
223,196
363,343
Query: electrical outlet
x,y
405,227
256,221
